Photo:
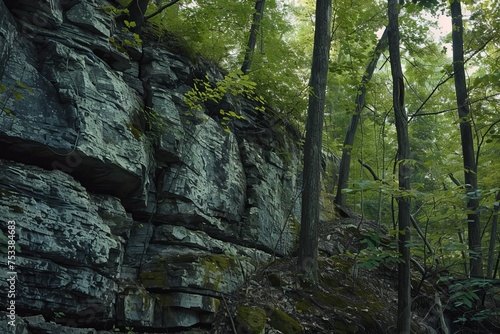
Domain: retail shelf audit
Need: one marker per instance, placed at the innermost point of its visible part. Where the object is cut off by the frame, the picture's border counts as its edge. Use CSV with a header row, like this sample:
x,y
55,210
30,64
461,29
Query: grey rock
x,y
136,306
90,131
56,218
88,17
46,14
129,207
38,324
273,200
46,287
200,272
138,244
12,323
210,175
158,69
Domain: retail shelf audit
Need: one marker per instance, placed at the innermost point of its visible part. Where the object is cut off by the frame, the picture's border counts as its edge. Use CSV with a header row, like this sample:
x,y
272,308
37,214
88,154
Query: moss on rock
x,y
283,322
250,319
215,266
302,305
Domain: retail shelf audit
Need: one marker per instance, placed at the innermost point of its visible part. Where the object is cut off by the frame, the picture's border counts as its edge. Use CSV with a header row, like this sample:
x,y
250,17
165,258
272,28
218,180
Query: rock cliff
x,y
117,222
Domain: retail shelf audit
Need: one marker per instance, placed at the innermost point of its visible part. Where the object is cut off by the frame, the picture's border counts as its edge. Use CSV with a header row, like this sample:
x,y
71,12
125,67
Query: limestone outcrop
x,y
119,221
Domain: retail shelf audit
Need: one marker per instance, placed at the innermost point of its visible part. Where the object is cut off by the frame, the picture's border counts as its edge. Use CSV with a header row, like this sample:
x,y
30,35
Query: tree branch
x,y
444,81
375,177
161,9
483,137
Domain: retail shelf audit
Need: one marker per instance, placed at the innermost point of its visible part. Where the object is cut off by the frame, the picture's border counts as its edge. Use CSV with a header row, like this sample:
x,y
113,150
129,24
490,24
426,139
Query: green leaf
x,y
9,112
23,86
18,96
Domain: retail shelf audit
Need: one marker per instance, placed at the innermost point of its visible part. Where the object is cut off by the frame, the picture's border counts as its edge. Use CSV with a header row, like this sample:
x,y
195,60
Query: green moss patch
x,y
250,319
283,322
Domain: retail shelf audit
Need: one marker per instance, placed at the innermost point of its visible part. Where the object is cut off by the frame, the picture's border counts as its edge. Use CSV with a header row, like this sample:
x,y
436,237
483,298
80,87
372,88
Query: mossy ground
x,y
348,299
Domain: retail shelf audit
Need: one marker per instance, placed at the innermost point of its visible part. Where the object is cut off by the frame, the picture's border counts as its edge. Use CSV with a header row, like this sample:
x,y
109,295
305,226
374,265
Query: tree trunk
x,y
252,39
401,120
345,162
137,9
308,239
493,238
470,169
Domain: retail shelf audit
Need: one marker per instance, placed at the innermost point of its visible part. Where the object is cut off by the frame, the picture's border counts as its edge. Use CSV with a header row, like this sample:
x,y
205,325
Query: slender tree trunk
x,y
252,39
470,168
308,239
493,238
345,162
401,120
464,255
137,9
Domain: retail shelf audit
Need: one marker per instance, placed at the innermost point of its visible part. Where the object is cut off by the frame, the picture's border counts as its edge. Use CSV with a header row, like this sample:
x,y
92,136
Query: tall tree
x,y
493,238
401,120
308,238
469,162
252,39
345,161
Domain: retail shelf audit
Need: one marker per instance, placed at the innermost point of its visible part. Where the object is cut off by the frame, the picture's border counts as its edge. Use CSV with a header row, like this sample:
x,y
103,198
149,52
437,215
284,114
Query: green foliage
x,y
118,45
466,292
218,30
227,116
129,24
234,84
157,125
211,28
154,128
426,3
121,45
136,40
126,329
466,295
114,11
13,92
59,315
377,252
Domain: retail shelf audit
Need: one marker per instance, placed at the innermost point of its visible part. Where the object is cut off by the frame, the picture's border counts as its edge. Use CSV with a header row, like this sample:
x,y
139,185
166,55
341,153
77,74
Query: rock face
x,y
120,221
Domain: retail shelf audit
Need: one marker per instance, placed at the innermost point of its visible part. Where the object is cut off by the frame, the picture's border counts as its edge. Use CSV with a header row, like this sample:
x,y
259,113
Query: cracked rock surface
x,y
118,223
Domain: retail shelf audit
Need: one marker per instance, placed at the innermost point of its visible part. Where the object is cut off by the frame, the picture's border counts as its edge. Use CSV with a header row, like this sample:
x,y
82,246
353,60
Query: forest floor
x,y
350,298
